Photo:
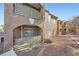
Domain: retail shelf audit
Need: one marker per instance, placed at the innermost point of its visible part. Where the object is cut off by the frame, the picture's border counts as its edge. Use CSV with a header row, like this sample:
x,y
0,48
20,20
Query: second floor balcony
x,y
27,11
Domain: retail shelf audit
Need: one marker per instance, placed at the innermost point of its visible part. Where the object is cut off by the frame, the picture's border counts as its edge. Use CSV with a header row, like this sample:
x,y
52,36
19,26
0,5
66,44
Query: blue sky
x,y
65,11
1,13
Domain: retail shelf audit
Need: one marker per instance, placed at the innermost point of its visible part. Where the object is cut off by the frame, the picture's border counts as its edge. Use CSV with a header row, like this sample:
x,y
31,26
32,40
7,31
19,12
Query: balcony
x,y
27,11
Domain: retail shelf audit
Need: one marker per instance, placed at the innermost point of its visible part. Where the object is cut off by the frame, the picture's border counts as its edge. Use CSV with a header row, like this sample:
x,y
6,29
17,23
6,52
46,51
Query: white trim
x,y
31,20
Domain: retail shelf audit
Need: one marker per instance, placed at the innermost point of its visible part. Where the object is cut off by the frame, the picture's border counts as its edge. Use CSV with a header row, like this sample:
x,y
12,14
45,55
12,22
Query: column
x,y
21,32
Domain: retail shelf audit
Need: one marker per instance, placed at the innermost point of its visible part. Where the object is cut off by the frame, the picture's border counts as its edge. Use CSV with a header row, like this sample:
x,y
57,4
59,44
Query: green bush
x,y
48,41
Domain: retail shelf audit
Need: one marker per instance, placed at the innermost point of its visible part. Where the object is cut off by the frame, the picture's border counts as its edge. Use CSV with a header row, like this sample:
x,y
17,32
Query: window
x,y
53,30
13,42
13,7
65,29
2,39
31,32
49,19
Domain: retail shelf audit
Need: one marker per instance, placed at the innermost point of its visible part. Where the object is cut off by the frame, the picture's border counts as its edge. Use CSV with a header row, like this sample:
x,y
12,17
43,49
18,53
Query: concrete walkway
x,y
9,53
61,46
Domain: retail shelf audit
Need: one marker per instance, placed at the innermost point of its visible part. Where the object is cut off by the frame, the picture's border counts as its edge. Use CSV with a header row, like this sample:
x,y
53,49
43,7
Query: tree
x,y
75,24
75,20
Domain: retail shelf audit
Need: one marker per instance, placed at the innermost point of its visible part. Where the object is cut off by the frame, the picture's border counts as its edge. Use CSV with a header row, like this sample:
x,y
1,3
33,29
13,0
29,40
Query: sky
x,y
1,14
64,11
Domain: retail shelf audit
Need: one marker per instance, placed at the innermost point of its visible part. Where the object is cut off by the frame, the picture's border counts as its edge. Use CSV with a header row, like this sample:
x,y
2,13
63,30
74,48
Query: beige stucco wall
x,y
77,31
49,25
59,27
12,21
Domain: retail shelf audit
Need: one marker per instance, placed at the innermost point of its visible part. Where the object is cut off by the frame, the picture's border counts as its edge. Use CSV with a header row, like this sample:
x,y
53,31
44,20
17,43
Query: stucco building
x,y
65,27
27,24
1,38
23,22
50,25
59,27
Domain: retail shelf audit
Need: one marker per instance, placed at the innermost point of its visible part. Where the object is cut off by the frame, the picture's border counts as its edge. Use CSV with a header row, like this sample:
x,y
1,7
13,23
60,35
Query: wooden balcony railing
x,y
27,11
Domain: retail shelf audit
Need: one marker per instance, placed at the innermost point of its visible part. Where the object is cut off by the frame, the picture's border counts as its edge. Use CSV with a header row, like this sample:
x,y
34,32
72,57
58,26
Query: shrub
x,y
48,41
